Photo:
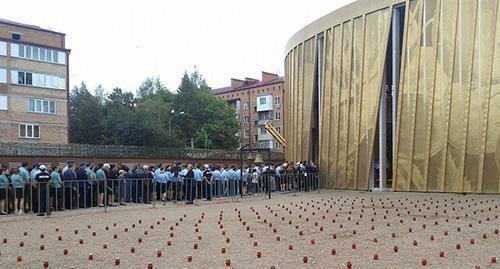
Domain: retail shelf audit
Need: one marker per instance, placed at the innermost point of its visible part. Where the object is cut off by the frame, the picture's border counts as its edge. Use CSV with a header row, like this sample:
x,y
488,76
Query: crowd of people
x,y
41,188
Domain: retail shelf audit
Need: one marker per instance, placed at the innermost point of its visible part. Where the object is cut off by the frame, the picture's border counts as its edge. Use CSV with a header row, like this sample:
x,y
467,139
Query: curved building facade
x,y
401,95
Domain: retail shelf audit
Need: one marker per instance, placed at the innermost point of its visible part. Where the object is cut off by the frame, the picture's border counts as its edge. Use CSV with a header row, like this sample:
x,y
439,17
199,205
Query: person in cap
x,y
82,178
207,182
42,180
67,165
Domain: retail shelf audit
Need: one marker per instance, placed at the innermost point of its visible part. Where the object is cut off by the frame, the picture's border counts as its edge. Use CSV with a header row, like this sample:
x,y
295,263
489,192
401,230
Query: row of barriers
x,y
44,197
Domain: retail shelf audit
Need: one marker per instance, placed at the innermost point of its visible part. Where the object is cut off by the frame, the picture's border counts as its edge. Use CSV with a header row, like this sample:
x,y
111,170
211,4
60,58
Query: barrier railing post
x,y
105,194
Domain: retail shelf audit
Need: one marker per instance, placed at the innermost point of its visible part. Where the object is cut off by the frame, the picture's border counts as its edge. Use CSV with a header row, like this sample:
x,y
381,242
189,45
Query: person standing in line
x,y
121,186
18,185
208,181
255,181
42,179
55,189
4,188
82,178
100,177
68,163
168,185
91,186
216,181
28,188
198,177
224,180
190,184
71,193
182,176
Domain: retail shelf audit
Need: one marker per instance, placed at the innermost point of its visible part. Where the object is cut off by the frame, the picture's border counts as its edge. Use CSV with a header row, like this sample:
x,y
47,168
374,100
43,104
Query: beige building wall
x,y
52,125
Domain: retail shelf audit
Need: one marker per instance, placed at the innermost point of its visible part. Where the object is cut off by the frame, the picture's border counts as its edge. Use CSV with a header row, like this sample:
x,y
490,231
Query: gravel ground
x,y
335,220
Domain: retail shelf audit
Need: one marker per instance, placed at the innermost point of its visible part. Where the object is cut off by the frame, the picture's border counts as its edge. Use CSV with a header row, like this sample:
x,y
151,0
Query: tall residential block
x,y
34,84
257,102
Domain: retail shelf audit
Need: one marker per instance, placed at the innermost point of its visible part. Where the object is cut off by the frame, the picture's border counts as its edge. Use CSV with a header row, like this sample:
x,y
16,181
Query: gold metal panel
x,y
326,104
308,96
479,95
460,96
345,82
297,104
334,118
424,97
355,99
376,36
408,92
442,94
491,171
285,102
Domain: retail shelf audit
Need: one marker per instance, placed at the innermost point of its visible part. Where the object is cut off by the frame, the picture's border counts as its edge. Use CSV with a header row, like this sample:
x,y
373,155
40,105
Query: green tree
x,y
204,111
85,116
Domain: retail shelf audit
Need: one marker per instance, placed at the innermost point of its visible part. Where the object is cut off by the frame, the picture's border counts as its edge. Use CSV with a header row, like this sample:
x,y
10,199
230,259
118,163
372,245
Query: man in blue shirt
x,y
216,181
28,188
101,177
198,177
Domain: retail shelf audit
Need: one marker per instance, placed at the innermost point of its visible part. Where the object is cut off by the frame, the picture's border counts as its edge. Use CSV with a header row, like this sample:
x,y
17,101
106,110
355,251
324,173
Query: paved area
x,y
331,229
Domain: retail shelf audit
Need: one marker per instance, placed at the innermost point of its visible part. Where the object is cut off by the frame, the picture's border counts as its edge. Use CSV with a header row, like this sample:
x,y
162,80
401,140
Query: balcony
x,y
264,136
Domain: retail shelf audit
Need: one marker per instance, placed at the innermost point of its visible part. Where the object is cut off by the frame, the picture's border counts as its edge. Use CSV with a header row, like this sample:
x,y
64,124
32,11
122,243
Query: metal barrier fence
x,y
44,198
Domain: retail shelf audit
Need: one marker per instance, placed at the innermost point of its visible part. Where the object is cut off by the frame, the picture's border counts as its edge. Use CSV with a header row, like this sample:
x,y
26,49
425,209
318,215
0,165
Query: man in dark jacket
x,y
42,180
207,182
71,193
82,178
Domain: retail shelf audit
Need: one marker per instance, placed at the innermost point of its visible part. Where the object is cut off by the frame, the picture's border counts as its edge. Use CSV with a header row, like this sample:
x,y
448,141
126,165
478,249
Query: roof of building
x,y
256,84
28,26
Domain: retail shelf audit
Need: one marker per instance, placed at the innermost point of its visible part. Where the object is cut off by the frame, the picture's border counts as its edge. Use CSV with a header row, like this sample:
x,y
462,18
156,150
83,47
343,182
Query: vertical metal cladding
x,y
448,128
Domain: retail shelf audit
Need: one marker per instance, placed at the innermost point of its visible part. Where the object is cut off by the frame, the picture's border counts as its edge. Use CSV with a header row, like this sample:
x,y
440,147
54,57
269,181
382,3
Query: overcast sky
x,y
120,43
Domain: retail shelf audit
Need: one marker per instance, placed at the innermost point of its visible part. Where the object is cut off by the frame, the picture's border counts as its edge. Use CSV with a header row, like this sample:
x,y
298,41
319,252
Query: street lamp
x,y
171,117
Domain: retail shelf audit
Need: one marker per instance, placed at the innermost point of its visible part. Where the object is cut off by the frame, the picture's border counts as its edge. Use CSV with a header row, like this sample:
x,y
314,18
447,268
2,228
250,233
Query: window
x,y
3,48
21,51
16,36
246,133
277,101
3,102
35,53
28,52
20,77
277,116
265,144
245,105
42,106
29,131
255,109
3,75
246,119
29,78
263,130
277,145
278,129
38,80
262,100
42,55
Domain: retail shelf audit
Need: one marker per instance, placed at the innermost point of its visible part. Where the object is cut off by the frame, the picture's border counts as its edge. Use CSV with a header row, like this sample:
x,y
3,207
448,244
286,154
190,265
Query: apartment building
x,y
257,102
34,84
